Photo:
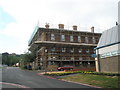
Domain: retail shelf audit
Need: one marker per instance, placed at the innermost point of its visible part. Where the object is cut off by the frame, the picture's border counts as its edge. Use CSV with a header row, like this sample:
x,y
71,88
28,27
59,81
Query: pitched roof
x,y
109,37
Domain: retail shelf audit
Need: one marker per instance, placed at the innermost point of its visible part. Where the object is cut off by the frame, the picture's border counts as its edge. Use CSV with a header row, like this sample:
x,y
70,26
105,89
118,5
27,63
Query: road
x,y
13,77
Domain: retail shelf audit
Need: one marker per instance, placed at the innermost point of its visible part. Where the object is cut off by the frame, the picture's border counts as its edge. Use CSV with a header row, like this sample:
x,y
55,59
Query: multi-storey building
x,y
59,47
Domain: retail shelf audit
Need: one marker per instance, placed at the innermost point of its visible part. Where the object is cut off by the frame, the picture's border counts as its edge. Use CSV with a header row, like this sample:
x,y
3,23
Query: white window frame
x,y
80,50
52,36
87,51
93,39
71,38
63,49
53,49
72,50
79,38
80,58
63,37
86,39
72,58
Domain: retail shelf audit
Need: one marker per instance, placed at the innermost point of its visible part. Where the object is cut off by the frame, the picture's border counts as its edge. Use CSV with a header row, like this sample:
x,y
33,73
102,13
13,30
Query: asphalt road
x,y
13,77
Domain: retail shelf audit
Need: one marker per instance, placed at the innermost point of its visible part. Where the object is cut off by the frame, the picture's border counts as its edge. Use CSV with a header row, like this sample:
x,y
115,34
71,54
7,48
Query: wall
x,y
109,49
110,64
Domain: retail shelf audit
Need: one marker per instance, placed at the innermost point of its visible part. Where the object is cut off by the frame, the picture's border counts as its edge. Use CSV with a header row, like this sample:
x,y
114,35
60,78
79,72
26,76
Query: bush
x,y
82,72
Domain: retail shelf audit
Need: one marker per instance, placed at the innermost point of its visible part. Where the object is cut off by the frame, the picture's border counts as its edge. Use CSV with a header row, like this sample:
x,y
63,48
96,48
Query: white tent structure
x,y
108,49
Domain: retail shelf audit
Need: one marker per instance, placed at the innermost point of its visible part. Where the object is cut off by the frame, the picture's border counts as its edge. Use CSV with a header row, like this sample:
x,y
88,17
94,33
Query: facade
x,y
108,49
59,47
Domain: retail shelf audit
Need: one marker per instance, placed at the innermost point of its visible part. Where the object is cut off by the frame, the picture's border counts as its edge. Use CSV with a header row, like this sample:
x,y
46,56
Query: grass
x,y
95,80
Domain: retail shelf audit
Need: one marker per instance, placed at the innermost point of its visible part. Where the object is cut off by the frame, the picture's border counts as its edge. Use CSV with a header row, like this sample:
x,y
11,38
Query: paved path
x,y
14,76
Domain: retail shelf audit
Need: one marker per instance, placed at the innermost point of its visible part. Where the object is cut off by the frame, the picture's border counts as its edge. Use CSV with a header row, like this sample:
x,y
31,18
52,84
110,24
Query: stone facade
x,y
61,47
110,64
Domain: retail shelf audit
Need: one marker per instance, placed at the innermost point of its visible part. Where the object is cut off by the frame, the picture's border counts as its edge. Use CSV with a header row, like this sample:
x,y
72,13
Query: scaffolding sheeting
x,y
34,32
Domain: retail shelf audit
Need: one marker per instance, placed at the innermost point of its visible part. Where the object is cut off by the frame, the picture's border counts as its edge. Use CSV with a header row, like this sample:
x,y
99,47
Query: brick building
x,y
59,47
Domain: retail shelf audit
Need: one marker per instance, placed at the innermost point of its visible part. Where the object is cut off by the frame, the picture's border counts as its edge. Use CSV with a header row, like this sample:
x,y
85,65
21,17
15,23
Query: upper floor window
x,y
94,51
86,39
80,58
72,50
94,40
53,49
79,39
54,58
80,50
72,58
62,37
52,36
87,51
71,38
63,49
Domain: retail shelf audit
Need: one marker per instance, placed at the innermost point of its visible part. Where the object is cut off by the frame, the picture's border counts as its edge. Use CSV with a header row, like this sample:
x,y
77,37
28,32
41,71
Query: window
x,y
72,50
86,39
79,39
71,38
63,58
53,49
80,58
54,58
49,58
80,50
63,49
62,37
52,37
72,58
87,51
94,40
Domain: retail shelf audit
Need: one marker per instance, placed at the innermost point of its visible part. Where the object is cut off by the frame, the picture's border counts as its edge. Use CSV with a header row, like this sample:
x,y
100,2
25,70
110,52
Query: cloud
x,y
5,19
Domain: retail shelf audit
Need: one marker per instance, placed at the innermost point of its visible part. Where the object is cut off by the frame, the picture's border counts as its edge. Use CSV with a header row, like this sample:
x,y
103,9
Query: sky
x,y
18,18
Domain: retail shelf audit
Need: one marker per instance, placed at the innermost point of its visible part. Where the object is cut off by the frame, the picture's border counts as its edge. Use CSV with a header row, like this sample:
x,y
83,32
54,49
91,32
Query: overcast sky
x,y
19,17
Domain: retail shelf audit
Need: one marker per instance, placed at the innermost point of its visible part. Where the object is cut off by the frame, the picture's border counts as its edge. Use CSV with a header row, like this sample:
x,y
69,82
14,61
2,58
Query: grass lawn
x,y
95,80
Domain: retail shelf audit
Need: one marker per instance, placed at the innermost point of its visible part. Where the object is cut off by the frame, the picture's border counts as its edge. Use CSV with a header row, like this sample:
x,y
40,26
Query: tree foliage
x,y
28,57
10,60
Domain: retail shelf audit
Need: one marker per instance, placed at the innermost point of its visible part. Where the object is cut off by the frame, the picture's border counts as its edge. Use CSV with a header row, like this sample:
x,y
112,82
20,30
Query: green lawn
x,y
95,80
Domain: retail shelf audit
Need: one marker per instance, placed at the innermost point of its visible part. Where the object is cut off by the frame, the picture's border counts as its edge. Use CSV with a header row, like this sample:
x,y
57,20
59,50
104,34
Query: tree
x,y
28,57
9,59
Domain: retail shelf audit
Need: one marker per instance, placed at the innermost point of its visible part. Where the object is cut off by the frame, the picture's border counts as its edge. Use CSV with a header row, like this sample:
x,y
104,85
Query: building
x,y
108,49
59,47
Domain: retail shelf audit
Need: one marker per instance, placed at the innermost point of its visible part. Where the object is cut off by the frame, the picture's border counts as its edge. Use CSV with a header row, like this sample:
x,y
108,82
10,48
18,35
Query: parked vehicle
x,y
65,68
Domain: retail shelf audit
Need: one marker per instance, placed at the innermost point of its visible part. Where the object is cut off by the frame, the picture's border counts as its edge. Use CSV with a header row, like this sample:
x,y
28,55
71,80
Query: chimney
x,y
47,25
74,27
61,26
92,29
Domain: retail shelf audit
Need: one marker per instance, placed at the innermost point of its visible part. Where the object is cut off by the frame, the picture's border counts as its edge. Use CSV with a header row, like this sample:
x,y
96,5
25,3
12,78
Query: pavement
x,y
13,77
